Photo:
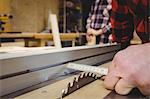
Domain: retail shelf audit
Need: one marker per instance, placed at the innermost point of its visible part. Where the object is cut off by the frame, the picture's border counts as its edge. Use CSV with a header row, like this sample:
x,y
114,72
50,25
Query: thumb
x,y
123,87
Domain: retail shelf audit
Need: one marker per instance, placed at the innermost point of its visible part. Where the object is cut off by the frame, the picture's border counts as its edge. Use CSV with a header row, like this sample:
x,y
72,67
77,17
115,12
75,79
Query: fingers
x,y
123,87
111,80
145,90
112,66
89,37
90,32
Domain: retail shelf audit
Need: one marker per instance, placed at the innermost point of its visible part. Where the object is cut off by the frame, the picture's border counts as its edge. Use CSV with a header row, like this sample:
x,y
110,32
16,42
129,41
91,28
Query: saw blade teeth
x,y
79,81
67,90
93,74
69,85
63,92
75,79
73,83
80,76
83,75
96,77
88,74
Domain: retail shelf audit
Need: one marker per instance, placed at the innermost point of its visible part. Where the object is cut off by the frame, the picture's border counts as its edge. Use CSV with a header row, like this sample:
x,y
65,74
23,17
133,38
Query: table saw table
x,y
42,74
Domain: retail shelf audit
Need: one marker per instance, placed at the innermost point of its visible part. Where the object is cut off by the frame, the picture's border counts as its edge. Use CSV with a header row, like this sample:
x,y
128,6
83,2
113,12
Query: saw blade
x,y
88,68
80,81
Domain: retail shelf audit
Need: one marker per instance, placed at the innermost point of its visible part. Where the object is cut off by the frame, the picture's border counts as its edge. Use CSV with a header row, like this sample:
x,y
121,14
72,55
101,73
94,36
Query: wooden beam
x,y
55,31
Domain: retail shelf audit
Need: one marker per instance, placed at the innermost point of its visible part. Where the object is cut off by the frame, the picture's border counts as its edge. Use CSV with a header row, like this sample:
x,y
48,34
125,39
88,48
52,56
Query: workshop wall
x,y
5,9
4,6
29,15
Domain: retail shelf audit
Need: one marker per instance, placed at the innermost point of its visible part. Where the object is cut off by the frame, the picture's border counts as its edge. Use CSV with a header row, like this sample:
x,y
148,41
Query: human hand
x,y
130,68
93,32
91,35
91,39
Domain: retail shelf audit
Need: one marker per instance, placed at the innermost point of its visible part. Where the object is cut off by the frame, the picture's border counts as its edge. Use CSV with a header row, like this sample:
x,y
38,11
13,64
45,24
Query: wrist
x,y
92,31
99,32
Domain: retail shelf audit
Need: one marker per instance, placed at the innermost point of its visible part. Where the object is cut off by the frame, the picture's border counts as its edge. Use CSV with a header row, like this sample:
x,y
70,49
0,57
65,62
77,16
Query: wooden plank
x,y
39,35
63,36
55,30
43,37
21,44
21,35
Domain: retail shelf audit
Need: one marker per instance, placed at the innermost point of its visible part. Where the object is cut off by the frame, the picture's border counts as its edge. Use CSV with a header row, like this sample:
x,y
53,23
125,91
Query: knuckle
x,y
145,89
144,84
108,85
119,55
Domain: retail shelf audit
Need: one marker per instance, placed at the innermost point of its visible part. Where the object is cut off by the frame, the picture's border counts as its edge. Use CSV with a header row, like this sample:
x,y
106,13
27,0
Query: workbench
x,y
41,38
17,35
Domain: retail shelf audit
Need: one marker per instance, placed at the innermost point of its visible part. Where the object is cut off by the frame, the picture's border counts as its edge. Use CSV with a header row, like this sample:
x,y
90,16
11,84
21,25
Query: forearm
x,y
88,22
94,32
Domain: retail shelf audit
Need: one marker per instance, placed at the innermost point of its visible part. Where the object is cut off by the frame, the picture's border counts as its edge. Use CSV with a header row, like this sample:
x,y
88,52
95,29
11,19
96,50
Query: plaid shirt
x,y
127,16
99,18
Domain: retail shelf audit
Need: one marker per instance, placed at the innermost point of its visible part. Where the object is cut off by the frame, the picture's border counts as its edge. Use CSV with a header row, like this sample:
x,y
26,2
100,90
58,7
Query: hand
x,y
130,68
91,35
91,39
94,32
